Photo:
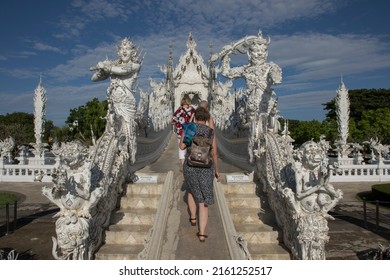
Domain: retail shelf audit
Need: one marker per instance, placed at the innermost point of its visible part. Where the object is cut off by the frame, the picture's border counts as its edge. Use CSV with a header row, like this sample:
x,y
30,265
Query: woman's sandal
x,y
193,221
201,235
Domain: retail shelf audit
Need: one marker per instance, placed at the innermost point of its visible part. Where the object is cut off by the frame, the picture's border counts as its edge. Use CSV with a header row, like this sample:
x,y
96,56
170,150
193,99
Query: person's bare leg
x,y
191,208
203,218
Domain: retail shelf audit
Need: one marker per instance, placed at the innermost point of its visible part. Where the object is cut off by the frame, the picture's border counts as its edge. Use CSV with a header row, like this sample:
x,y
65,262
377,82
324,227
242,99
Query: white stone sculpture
x,y
312,173
39,119
259,75
222,105
299,192
160,105
190,76
6,147
143,112
297,187
87,182
123,72
378,150
342,111
74,193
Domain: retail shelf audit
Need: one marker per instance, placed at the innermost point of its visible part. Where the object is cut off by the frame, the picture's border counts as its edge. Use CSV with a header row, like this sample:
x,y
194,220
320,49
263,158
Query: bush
x,y
381,192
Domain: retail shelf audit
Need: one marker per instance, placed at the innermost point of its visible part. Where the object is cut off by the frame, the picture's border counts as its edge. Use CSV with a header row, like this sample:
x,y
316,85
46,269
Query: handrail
x,y
231,235
153,248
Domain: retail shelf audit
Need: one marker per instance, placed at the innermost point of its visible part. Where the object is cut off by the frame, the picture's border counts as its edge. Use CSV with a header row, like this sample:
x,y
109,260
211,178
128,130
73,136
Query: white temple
x,y
190,77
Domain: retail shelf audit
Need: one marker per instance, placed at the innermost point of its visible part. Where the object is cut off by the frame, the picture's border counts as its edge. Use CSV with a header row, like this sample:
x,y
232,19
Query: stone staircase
x,y
254,221
131,225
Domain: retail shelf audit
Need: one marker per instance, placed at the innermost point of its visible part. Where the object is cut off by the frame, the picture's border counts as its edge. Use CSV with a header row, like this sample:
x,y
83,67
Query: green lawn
x,y
7,198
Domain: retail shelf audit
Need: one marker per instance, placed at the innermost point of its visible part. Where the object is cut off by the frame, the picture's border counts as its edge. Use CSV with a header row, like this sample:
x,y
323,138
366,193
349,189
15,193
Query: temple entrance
x,y
195,98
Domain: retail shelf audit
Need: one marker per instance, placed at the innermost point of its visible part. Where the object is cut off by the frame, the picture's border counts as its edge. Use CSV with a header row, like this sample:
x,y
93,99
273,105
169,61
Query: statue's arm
x,y
229,72
275,73
125,69
102,70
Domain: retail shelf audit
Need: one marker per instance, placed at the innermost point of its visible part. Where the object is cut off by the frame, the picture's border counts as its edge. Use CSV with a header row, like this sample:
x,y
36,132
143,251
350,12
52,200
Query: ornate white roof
x,y
191,68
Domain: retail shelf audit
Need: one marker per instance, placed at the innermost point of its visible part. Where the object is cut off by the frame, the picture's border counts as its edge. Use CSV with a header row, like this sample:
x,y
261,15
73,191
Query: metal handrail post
x,y
7,218
365,212
15,214
377,215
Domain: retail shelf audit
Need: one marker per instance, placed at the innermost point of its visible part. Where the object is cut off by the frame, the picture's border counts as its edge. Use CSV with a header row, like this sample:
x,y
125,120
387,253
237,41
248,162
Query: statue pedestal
x,y
344,160
36,161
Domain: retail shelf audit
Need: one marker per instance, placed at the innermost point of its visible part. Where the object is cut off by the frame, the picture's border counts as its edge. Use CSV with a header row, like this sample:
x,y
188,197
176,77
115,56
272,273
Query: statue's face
x,y
258,53
312,155
124,54
74,154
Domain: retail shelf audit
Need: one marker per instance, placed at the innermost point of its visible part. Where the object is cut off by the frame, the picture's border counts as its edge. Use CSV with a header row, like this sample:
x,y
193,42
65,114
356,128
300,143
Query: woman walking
x,y
200,180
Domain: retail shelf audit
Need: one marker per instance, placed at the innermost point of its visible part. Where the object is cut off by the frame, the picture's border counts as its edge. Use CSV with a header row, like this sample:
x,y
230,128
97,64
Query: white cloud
x,y
305,106
45,47
312,57
84,13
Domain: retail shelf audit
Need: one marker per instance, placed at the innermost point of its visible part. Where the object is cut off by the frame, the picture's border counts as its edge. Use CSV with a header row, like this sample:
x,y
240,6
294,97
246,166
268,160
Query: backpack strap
x,y
185,111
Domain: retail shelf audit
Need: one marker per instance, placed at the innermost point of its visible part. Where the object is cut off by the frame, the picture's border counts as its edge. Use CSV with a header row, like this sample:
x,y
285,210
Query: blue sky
x,y
315,42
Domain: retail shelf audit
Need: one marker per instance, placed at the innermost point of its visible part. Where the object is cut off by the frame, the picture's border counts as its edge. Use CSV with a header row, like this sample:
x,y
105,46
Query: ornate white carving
x,y
222,105
191,76
143,112
378,150
6,147
342,110
39,115
259,75
299,192
121,101
296,182
87,181
160,106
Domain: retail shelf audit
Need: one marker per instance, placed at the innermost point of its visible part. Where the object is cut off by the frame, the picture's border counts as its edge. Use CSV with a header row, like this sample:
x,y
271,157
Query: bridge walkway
x,y
180,240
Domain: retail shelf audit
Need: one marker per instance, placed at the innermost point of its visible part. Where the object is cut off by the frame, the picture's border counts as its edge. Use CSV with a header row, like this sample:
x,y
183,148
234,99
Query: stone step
x,y
251,216
127,234
258,234
150,178
133,189
243,201
118,252
141,201
133,217
240,188
269,252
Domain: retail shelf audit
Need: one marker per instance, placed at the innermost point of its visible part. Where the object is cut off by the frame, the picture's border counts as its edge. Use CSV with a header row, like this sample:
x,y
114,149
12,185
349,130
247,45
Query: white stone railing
x,y
361,173
234,150
25,173
149,149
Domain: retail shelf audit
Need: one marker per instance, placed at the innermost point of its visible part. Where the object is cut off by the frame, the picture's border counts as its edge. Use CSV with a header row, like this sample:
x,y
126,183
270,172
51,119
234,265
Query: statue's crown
x,y
125,43
259,40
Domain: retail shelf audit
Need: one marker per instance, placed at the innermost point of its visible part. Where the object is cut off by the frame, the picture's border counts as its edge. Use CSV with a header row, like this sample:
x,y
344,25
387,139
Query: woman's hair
x,y
201,114
185,101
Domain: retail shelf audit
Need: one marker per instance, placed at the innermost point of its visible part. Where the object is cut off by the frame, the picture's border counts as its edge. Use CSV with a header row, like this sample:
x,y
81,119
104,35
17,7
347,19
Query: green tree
x,y
85,119
19,126
376,123
368,114
302,131
360,101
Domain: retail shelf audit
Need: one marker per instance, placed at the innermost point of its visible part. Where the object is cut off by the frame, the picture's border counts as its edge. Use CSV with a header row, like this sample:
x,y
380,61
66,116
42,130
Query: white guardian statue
x,y
259,75
123,72
88,180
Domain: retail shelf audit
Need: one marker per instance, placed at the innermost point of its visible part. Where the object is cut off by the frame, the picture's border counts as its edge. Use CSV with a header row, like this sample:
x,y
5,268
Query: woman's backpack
x,y
200,152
